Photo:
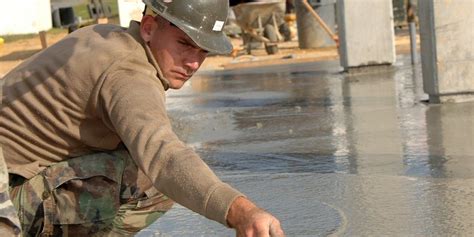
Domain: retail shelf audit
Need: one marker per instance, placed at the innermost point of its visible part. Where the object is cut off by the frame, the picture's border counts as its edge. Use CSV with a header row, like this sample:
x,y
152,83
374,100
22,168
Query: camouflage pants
x,y
102,194
9,224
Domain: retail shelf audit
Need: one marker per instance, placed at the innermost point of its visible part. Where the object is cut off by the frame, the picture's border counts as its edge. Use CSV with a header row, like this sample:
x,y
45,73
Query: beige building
x,y
24,17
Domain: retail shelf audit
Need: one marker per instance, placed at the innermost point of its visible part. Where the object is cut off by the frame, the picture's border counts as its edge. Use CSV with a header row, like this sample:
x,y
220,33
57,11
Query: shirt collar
x,y
134,31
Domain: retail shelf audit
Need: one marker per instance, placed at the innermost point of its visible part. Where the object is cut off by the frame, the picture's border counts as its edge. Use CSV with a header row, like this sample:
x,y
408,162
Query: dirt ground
x,y
15,52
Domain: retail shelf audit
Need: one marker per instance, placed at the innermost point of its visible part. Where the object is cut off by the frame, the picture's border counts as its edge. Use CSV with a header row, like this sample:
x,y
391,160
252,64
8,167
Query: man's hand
x,y
250,221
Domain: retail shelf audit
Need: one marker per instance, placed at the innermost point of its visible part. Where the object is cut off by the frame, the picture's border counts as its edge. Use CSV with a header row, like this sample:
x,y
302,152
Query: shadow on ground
x,y
19,55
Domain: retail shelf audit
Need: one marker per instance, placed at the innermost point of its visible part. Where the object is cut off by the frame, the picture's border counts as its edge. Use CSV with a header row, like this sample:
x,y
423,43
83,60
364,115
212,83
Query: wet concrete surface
x,y
330,153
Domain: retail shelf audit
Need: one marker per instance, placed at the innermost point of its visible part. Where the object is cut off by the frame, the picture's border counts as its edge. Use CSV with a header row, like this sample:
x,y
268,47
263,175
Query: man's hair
x,y
156,15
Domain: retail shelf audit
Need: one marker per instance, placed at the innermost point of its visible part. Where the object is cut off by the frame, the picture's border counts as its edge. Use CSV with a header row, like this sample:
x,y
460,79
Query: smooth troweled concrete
x,y
366,32
328,153
447,49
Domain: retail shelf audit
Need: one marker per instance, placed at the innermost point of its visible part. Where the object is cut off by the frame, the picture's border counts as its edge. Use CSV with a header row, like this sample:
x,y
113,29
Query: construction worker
x,y
86,138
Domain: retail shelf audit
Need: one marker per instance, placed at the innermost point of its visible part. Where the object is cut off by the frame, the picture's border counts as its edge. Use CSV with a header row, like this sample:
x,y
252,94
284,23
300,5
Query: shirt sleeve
x,y
134,107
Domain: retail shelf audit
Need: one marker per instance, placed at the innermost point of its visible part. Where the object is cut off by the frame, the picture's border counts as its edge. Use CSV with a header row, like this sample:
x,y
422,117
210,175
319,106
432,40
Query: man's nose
x,y
192,65
193,61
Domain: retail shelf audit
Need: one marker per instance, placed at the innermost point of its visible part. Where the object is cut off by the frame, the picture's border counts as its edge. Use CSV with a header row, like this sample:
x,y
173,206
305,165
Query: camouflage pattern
x,y
9,223
102,194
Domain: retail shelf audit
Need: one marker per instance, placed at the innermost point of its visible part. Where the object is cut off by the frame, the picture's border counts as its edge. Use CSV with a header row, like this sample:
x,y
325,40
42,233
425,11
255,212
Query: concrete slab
x,y
330,153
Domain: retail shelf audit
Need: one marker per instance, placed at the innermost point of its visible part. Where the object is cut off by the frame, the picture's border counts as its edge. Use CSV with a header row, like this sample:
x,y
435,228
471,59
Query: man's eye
x,y
184,43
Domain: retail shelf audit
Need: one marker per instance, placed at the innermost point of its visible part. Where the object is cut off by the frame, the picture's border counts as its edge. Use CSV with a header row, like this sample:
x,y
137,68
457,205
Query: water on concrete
x,y
330,153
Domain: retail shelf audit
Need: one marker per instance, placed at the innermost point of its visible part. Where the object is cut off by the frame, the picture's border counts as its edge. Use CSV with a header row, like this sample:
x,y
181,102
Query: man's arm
x,y
249,220
133,106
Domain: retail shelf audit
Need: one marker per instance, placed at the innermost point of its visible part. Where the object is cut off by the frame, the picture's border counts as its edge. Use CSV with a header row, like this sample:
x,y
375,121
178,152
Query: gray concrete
x,y
310,33
366,32
330,153
447,49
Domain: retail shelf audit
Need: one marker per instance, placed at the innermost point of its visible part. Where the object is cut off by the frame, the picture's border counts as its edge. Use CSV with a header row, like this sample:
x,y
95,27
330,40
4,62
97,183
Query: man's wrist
x,y
239,210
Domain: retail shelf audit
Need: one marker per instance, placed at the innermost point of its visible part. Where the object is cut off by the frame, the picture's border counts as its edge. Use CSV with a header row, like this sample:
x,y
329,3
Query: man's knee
x,y
8,229
81,191
139,213
9,223
142,203
100,193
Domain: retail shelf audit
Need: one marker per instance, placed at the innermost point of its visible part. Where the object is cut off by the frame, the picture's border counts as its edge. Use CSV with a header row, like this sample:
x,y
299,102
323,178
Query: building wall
x,y
25,16
67,3
130,10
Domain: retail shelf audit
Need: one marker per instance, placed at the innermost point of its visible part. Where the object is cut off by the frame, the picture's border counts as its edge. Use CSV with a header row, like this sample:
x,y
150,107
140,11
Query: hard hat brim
x,y
215,42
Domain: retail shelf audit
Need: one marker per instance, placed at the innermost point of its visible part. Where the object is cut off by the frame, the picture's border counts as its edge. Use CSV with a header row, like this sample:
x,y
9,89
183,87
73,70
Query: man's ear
x,y
147,27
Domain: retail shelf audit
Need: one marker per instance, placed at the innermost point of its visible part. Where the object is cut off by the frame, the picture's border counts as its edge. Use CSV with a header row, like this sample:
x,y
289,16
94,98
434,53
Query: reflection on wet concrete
x,y
347,154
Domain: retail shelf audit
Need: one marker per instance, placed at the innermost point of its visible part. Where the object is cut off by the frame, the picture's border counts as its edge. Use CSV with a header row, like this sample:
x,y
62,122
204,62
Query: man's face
x,y
176,53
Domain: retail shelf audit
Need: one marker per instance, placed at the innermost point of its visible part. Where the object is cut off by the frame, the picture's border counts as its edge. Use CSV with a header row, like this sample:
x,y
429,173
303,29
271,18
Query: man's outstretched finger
x,y
276,230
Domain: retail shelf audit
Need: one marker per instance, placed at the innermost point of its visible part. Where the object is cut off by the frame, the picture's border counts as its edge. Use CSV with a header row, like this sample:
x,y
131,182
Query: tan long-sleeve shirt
x,y
94,89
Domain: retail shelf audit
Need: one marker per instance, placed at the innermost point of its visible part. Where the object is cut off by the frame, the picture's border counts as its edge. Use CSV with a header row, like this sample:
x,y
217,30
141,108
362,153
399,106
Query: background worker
x,y
86,137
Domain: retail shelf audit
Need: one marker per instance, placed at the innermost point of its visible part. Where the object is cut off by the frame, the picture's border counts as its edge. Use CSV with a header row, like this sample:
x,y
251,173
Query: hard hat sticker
x,y
218,26
158,7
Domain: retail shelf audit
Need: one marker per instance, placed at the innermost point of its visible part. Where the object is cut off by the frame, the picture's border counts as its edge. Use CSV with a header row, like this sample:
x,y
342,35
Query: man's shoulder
x,y
107,34
98,47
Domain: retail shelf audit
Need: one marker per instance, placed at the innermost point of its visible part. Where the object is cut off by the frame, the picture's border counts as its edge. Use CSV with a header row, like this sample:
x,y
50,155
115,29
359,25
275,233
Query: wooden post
x,y
42,35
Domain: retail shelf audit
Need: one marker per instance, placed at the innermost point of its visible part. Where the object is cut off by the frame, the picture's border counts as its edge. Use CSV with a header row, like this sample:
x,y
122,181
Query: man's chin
x,y
176,85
